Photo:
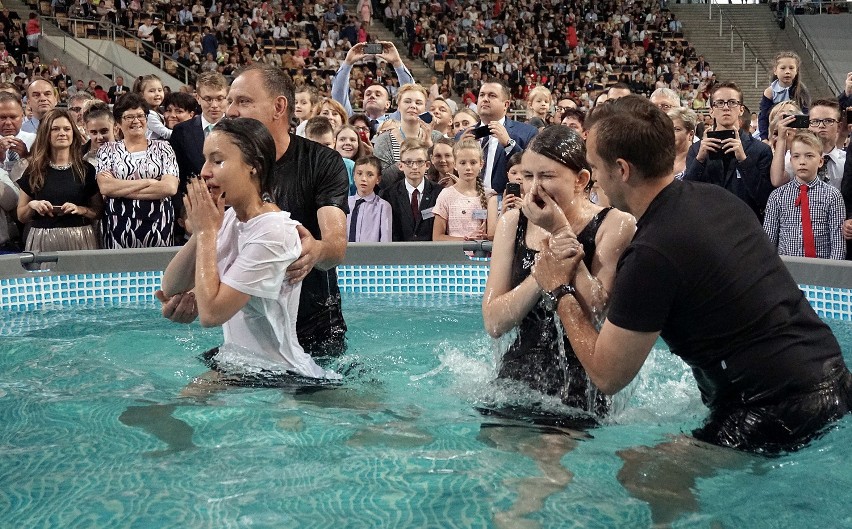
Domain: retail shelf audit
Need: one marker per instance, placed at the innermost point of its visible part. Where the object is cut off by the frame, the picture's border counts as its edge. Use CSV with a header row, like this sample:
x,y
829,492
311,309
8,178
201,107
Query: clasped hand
x,y
203,212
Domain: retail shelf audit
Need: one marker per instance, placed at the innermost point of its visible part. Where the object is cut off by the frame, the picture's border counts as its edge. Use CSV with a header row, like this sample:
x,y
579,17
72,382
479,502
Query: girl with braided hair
x,y
461,211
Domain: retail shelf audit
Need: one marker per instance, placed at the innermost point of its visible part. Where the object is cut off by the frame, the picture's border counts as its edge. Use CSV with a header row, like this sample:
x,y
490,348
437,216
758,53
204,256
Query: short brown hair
x,y
633,129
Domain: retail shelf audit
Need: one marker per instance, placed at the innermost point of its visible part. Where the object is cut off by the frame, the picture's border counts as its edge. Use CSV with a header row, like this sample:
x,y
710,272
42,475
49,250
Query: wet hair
x,y
798,91
318,126
633,129
563,145
181,100
809,138
98,110
471,144
257,146
370,160
130,101
41,151
275,81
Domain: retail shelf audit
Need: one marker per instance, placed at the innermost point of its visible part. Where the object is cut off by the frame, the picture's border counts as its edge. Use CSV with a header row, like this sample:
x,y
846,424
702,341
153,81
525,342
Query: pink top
x,y
33,26
459,209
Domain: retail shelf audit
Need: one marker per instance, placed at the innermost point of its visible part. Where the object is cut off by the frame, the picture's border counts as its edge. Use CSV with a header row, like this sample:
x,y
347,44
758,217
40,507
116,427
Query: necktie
x,y
374,126
353,222
415,206
807,229
822,172
207,130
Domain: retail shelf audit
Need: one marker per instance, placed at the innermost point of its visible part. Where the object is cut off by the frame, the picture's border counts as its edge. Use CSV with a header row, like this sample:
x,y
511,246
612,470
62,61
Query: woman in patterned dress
x,y
138,177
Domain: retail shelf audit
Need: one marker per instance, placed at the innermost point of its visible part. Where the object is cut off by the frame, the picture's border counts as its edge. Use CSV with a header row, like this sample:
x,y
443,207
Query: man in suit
x,y
117,90
187,140
507,136
410,223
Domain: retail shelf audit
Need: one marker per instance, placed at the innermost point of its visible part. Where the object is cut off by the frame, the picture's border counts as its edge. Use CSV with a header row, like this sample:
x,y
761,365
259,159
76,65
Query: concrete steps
x,y
756,23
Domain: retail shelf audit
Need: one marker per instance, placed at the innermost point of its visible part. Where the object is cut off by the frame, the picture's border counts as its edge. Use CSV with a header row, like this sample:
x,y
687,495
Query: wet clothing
x,y
701,271
534,357
310,176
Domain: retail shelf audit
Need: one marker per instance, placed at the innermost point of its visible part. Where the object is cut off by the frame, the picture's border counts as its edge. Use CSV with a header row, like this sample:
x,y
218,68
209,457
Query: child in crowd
x,y
804,216
500,204
100,125
443,169
786,86
461,212
348,143
320,130
150,87
369,218
413,197
305,106
538,103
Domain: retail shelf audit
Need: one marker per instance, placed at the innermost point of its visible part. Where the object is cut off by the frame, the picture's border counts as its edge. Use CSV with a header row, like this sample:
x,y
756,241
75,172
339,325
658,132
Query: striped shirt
x,y
783,221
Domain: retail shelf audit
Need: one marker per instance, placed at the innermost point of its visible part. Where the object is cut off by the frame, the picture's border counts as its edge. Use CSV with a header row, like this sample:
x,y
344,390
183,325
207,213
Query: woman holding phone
x,y
59,195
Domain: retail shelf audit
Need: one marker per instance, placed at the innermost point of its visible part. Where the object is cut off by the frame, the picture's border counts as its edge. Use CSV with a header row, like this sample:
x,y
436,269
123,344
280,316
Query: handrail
x,y
757,62
89,50
817,58
113,31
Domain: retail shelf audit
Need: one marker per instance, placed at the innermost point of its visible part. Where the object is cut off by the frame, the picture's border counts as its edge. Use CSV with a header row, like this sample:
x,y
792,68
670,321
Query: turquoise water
x,y
400,445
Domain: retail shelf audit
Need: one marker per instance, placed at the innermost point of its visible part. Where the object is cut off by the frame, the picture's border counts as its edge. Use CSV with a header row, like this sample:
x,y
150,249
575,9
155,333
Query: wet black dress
x,y
534,357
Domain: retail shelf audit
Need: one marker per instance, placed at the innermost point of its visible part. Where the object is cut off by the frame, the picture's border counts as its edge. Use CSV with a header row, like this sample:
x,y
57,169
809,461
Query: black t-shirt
x,y
310,176
701,270
61,187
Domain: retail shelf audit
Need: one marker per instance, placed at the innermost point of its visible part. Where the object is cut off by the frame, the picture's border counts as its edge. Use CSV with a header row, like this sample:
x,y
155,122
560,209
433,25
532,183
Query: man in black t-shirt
x,y
701,274
313,185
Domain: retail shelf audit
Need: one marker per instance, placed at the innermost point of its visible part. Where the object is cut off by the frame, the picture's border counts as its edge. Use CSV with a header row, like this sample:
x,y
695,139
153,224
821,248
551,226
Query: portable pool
x,y
96,432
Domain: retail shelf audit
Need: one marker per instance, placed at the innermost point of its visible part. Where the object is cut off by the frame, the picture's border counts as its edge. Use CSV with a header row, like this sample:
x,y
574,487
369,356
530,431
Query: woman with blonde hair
x,y
411,103
334,112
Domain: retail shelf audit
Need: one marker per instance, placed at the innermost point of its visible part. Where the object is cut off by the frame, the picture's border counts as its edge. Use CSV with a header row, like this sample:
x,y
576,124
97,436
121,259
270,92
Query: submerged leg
x,y
664,475
547,450
157,420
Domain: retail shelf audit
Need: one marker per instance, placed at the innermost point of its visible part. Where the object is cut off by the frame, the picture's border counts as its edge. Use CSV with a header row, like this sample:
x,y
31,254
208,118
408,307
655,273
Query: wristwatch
x,y
551,299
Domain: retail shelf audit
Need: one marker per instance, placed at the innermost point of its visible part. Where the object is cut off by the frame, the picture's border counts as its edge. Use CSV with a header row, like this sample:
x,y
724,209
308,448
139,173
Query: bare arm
x,y
503,307
179,276
439,230
113,187
155,189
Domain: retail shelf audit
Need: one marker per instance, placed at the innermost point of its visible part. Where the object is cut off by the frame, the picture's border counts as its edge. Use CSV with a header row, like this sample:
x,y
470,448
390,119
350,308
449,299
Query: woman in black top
x,y
555,170
59,196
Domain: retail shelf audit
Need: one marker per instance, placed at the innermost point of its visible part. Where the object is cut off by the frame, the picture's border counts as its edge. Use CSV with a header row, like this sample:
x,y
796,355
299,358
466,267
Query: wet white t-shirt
x,y
253,258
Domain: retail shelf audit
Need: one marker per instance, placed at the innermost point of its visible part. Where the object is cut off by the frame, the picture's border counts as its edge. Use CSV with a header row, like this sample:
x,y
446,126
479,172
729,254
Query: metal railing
x,y
113,33
809,46
746,50
90,52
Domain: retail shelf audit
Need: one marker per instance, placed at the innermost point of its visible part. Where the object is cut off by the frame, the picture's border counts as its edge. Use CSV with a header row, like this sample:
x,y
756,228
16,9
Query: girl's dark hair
x,y
129,101
514,160
561,144
256,145
98,110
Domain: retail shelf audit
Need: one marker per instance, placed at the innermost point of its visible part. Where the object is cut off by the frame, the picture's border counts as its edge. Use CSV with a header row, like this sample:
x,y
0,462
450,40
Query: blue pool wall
x,y
132,276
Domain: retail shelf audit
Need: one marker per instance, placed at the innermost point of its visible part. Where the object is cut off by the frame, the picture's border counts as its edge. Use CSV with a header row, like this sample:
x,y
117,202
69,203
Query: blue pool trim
x,y
38,291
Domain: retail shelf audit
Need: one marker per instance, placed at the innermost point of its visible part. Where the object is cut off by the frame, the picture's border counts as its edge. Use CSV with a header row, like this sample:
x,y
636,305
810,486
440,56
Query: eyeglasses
x,y
827,122
218,100
135,117
730,103
75,109
413,164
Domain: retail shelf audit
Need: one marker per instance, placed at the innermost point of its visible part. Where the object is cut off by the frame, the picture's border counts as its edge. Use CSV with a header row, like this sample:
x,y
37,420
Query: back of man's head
x,y
634,130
